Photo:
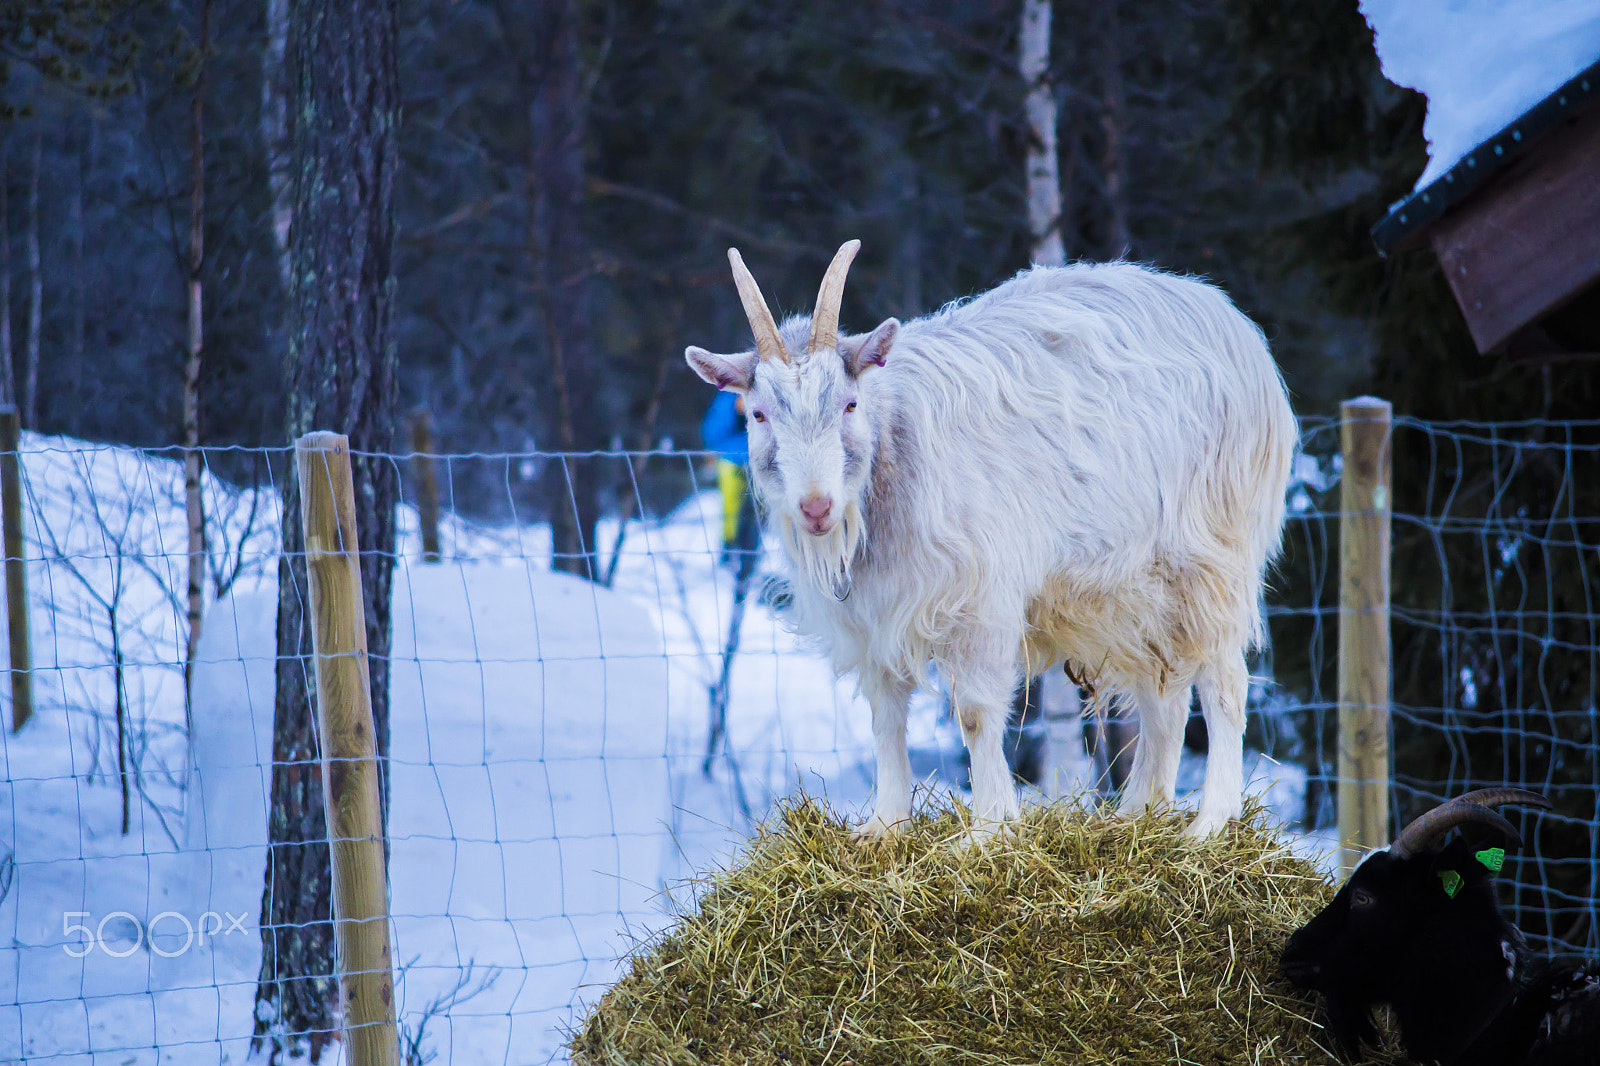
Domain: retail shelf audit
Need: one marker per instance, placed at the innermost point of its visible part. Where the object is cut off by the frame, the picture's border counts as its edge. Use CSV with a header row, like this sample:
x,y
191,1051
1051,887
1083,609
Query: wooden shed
x,y
1516,226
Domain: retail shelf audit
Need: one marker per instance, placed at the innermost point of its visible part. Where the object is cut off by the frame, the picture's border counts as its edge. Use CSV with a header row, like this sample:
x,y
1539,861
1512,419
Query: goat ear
x,y
1456,864
863,353
730,372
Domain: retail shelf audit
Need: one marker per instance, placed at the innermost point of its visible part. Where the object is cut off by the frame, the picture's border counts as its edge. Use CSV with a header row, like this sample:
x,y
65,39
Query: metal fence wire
x,y
565,752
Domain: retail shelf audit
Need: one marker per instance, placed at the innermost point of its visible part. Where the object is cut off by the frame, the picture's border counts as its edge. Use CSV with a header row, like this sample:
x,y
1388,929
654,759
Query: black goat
x,y
1417,927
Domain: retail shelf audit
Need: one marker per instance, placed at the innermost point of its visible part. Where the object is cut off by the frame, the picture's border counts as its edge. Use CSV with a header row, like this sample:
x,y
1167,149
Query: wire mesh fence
x,y
1493,630
564,752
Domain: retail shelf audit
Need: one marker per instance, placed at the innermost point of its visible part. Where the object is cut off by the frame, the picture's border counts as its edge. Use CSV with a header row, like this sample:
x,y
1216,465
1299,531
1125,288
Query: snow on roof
x,y
1481,63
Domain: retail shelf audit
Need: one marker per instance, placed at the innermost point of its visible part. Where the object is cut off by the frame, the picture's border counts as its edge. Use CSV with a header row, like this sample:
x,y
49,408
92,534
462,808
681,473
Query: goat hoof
x,y
878,827
1207,825
983,830
982,833
1131,811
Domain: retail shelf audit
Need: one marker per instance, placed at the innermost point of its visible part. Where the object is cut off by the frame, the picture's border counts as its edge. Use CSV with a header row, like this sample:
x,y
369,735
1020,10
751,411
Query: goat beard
x,y
824,561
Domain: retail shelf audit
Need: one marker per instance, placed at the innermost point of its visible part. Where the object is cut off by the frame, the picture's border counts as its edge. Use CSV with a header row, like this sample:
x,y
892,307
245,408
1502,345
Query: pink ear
x,y
730,372
873,349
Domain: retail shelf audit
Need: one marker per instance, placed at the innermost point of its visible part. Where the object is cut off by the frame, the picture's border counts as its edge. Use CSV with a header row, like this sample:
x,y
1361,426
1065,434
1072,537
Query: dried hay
x,y
1078,938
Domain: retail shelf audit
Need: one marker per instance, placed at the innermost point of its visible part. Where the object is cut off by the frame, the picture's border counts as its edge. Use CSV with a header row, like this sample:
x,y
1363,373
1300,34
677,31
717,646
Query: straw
x,y
1077,937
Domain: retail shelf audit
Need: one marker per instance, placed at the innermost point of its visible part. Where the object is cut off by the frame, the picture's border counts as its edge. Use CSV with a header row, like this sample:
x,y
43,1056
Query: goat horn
x,y
768,344
1497,797
1472,807
825,319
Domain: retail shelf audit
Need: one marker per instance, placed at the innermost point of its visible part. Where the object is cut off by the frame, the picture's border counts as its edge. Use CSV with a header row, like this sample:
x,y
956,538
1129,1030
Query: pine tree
x,y
343,107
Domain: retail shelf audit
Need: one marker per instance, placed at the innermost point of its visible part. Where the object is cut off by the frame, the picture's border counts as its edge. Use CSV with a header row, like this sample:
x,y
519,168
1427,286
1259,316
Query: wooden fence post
x,y
16,568
1364,687
349,751
427,483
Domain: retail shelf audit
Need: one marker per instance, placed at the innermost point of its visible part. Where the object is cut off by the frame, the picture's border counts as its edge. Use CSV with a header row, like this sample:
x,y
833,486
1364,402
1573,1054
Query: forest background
x,y
555,202
1248,141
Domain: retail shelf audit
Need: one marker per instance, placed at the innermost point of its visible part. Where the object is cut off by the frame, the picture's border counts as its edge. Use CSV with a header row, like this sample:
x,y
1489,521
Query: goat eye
x,y
759,416
1361,898
851,406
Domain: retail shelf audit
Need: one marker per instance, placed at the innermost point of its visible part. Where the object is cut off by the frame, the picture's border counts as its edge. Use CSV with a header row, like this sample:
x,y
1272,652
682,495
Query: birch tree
x,y
1044,179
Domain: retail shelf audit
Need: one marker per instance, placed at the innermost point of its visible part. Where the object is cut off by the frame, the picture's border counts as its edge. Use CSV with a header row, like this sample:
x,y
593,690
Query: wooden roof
x,y
1516,226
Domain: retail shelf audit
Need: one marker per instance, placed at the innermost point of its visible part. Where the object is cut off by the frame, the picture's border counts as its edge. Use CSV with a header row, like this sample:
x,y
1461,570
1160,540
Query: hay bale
x,y
1079,939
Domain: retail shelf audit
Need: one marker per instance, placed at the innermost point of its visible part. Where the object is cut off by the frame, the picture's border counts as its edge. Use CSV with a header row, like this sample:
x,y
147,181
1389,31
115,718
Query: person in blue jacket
x,y
723,430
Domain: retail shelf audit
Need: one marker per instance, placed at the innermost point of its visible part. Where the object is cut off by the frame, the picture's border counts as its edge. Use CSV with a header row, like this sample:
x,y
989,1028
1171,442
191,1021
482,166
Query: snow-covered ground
x,y
1481,63
547,789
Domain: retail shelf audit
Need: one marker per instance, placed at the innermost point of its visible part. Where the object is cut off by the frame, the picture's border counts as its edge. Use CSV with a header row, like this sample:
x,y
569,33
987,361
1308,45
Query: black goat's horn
x,y
1496,797
1472,807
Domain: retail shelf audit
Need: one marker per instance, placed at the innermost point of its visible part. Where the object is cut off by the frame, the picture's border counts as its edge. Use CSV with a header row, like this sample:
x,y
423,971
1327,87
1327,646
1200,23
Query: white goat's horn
x,y
825,319
768,344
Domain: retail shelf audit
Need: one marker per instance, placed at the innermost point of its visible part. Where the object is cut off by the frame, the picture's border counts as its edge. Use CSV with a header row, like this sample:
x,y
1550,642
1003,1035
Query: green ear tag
x,y
1451,881
1492,858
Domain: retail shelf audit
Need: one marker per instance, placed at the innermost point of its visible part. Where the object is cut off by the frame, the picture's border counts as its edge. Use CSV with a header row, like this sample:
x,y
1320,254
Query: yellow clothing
x,y
730,479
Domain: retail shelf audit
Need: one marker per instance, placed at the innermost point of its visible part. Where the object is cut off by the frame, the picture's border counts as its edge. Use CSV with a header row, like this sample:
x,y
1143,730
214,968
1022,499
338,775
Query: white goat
x,y
1086,464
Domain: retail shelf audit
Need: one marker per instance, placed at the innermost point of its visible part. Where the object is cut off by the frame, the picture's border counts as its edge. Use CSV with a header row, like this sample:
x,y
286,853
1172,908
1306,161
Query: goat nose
x,y
816,507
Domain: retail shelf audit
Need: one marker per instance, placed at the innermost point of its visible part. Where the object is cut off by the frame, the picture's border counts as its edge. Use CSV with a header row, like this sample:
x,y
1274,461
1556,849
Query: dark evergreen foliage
x,y
1493,635
88,46
782,129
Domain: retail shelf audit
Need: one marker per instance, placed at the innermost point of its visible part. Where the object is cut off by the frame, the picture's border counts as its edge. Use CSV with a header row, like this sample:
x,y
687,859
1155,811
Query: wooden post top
x,y
322,440
1367,407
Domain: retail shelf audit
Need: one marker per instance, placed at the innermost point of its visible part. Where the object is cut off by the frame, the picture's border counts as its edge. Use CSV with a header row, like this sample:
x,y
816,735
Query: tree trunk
x,y
647,432
80,290
194,504
343,107
1113,123
8,375
548,71
30,387
896,194
275,130
1044,178
120,704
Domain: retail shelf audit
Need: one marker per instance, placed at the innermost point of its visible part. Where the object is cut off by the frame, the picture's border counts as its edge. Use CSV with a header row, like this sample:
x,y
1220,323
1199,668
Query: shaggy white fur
x,y
1085,464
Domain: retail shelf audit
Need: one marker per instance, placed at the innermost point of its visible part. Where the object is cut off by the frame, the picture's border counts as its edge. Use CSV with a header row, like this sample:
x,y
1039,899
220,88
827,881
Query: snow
x,y
1481,63
528,787
547,794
